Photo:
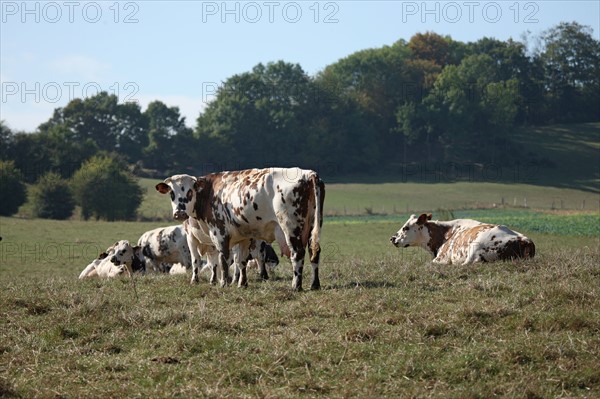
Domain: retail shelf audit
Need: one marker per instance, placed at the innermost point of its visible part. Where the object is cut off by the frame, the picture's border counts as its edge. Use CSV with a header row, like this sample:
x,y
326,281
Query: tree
x,y
470,107
54,150
6,140
375,82
432,47
104,122
571,59
52,197
258,118
13,193
105,189
166,135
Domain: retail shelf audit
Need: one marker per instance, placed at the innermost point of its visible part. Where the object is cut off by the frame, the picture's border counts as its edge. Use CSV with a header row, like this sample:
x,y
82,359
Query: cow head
x,y
413,233
131,257
183,190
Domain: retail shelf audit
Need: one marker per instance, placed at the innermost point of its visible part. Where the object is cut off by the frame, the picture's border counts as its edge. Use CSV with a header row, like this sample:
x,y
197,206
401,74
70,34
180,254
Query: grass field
x,y
387,323
403,198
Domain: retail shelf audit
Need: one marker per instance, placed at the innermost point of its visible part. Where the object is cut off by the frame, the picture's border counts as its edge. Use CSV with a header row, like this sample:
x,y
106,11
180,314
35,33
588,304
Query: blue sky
x,y
180,51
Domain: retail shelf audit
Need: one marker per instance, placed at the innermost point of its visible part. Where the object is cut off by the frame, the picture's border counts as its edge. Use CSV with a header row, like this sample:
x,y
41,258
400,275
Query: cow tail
x,y
319,197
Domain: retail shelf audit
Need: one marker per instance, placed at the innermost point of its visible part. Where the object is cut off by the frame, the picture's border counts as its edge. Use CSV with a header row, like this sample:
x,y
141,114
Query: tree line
x,y
429,99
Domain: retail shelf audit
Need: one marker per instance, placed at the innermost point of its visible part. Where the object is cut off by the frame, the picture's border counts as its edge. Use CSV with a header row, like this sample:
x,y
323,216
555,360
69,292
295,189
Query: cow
x,y
129,256
263,257
107,265
283,204
102,267
463,241
178,268
200,244
165,246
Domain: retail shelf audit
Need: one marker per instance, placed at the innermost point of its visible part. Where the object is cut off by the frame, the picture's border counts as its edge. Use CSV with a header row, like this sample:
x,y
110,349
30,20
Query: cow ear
x,y
163,188
422,219
429,216
200,183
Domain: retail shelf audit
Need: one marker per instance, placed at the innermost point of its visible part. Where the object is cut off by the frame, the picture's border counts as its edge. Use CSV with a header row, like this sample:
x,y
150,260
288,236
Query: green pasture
x,y
405,198
387,323
564,155
47,247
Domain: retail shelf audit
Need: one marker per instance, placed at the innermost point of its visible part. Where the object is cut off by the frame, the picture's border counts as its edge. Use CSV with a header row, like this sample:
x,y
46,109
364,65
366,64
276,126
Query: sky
x,y
180,52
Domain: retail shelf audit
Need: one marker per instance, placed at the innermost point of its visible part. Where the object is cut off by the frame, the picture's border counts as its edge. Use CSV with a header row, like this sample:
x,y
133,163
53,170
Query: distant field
x,y
402,198
568,155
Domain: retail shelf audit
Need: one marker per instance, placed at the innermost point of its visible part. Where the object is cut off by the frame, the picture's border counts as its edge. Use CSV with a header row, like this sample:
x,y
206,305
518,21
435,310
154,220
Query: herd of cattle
x,y
231,218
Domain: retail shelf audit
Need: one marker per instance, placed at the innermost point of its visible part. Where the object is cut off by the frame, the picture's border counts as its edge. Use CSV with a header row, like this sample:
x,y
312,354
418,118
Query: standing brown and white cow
x,y
283,204
463,241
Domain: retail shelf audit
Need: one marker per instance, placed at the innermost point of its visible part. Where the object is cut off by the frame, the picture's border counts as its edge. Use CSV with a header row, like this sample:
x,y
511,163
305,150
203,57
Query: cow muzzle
x,y
396,241
180,215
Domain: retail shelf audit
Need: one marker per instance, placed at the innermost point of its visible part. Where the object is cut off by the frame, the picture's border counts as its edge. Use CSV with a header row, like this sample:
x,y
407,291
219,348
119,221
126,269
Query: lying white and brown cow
x,y
463,241
115,261
267,204
163,247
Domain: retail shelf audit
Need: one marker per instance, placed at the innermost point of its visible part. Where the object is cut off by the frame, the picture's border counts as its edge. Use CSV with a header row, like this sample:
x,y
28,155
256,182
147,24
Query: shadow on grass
x,y
361,284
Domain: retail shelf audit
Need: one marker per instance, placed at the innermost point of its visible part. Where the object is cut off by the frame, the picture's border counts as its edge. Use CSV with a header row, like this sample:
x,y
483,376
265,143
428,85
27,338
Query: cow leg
x,y
196,259
235,254
314,262
243,279
263,269
240,259
224,263
213,261
260,260
236,273
297,264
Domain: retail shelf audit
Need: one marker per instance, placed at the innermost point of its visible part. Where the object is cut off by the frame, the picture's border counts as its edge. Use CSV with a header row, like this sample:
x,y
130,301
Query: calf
x,y
200,245
109,263
102,267
164,247
233,207
463,240
262,256
129,256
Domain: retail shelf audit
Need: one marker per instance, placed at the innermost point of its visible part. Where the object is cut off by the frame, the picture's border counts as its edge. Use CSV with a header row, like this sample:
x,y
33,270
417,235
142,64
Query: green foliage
x,y
52,197
13,193
470,107
571,60
6,139
428,99
432,47
169,140
106,190
105,122
273,115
